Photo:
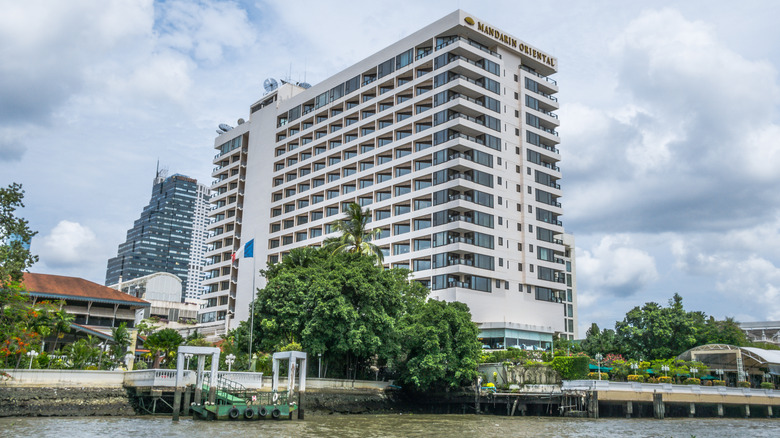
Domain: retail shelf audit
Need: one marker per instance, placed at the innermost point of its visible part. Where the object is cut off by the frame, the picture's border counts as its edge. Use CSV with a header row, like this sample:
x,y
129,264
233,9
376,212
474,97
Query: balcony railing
x,y
552,81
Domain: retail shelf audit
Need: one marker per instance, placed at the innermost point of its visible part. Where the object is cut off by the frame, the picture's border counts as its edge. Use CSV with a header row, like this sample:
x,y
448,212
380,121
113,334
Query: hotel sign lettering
x,y
511,42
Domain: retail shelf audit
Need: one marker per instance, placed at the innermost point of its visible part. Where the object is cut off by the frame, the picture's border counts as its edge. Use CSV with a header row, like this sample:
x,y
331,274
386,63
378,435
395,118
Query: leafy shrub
x,y
595,376
692,381
767,385
718,383
707,383
140,365
636,378
664,379
743,384
652,380
571,367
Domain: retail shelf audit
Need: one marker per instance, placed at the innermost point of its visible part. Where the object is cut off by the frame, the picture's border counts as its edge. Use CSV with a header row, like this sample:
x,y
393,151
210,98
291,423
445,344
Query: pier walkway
x,y
630,395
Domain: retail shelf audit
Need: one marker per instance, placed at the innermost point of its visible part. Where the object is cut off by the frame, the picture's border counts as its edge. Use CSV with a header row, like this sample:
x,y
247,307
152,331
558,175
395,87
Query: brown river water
x,y
449,426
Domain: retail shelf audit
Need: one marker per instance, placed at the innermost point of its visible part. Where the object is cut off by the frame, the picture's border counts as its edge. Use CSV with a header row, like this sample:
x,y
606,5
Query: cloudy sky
x,y
670,127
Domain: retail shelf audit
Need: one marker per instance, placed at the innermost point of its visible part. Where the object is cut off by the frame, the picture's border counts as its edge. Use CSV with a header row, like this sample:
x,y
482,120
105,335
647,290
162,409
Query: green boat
x,y
233,402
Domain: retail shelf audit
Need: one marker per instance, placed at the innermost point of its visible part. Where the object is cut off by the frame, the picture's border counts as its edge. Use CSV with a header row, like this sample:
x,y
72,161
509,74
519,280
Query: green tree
x,y
604,342
339,304
18,319
722,332
356,237
162,344
15,233
439,346
62,321
653,331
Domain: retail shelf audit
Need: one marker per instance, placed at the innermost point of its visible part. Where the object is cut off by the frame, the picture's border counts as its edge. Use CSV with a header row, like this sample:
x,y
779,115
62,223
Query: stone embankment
x,y
63,402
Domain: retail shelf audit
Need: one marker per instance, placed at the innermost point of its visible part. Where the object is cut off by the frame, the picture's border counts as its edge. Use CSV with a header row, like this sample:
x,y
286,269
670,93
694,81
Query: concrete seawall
x,y
97,393
64,402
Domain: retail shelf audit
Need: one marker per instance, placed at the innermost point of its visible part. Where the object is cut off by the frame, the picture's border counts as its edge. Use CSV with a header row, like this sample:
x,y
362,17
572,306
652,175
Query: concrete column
x,y
301,402
199,379
720,409
593,405
629,409
769,412
213,377
692,412
177,387
658,406
747,411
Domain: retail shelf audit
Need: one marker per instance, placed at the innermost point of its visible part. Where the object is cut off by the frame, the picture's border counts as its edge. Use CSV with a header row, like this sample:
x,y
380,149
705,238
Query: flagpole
x,y
252,307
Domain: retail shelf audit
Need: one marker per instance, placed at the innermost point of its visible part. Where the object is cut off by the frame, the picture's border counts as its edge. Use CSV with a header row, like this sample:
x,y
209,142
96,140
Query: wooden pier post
x,y
514,406
176,404
720,409
629,409
185,408
769,412
692,411
658,406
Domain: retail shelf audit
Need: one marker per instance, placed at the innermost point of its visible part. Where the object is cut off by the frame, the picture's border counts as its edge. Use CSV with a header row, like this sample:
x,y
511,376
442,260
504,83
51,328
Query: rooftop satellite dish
x,y
220,132
305,85
225,127
270,85
240,122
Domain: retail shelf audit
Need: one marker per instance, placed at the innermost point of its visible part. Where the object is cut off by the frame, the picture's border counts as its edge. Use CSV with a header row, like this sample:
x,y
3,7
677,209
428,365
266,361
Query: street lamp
x,y
31,354
767,376
187,357
634,367
719,372
693,371
229,359
598,358
665,369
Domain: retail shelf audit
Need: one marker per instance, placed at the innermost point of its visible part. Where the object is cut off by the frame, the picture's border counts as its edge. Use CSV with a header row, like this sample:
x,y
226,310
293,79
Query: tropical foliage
x,y
363,320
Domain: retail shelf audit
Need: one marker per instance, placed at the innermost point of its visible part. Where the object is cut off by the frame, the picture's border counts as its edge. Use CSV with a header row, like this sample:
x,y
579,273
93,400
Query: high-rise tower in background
x,y
449,137
168,237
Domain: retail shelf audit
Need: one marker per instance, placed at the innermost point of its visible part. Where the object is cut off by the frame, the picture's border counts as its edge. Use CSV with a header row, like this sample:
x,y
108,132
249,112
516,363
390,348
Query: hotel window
x,y
330,211
382,214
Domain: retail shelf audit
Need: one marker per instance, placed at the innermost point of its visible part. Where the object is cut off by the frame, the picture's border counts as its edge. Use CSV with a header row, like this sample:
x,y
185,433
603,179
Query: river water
x,y
449,426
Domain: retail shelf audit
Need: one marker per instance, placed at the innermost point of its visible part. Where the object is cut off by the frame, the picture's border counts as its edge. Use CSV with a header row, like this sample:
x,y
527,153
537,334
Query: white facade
x,y
448,136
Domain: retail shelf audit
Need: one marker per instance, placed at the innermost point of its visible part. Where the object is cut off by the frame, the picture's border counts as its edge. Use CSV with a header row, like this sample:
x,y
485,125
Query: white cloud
x,y
616,267
68,244
687,141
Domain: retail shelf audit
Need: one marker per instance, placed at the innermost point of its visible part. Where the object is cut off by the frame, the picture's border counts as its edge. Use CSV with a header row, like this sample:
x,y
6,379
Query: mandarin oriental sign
x,y
511,42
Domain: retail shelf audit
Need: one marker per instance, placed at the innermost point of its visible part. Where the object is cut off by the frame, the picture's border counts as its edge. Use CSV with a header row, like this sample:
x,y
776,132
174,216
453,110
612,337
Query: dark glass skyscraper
x,y
162,239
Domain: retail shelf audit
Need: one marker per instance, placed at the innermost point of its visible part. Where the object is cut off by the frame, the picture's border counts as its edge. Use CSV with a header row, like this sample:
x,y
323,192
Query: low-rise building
x,y
96,308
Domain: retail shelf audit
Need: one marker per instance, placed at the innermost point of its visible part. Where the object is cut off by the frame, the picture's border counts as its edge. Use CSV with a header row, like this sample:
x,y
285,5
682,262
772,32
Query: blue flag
x,y
249,249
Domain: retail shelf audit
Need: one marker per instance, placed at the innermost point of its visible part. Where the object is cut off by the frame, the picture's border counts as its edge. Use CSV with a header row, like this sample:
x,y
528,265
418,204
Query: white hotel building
x,y
449,137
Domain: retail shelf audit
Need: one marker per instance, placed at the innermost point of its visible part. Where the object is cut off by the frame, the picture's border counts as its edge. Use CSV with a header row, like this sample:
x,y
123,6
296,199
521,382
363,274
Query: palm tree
x,y
355,235
62,321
